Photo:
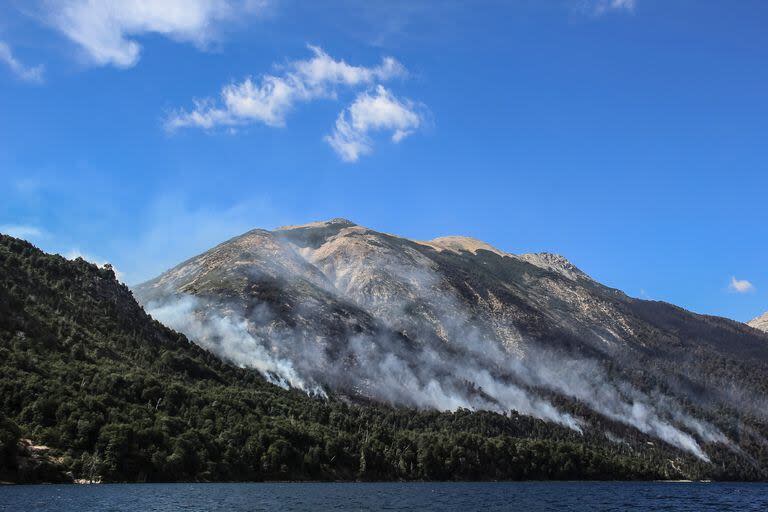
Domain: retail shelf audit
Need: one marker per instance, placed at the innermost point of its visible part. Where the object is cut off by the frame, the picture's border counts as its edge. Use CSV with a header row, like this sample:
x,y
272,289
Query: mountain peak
x,y
761,322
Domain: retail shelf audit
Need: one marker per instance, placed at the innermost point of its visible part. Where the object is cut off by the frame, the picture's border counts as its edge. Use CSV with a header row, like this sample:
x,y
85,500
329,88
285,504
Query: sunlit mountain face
x,y
336,308
761,322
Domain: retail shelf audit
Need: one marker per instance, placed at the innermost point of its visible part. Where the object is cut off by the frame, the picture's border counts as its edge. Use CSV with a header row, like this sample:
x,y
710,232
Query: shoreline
x,y
78,483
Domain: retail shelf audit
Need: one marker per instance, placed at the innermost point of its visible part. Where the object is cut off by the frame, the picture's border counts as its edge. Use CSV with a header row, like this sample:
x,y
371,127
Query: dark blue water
x,y
442,497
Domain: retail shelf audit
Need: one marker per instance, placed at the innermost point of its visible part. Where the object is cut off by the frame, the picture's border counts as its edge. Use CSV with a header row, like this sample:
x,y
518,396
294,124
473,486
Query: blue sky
x,y
629,136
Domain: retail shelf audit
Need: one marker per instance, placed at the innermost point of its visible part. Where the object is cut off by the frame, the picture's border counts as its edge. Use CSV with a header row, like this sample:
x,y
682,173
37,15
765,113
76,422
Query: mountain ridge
x,y
454,324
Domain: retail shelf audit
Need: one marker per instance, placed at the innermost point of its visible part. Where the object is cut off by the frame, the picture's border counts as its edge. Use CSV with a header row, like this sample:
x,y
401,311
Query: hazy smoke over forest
x,y
473,374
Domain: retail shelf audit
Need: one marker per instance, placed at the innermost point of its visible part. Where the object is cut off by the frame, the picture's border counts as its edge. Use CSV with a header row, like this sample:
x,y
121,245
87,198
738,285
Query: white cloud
x,y
29,74
322,70
269,99
373,111
106,29
740,285
599,7
22,231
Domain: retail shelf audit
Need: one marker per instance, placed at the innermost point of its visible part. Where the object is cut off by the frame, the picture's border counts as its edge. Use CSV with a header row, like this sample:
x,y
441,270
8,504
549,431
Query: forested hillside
x,y
119,397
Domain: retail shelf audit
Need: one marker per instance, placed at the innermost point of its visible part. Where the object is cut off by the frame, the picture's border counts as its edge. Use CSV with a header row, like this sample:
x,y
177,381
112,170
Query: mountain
x,y
93,388
760,322
333,308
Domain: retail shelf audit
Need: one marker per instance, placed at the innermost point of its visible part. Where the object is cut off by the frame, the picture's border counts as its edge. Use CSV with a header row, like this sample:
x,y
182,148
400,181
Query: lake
x,y
442,497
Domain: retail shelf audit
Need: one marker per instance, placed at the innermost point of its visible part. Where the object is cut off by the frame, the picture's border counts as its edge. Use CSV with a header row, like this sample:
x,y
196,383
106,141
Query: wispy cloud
x,y
33,74
599,7
269,99
26,232
372,111
106,30
740,285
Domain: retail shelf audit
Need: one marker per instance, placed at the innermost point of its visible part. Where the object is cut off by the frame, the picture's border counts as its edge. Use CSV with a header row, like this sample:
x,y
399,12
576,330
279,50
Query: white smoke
x,y
228,338
445,360
428,379
583,380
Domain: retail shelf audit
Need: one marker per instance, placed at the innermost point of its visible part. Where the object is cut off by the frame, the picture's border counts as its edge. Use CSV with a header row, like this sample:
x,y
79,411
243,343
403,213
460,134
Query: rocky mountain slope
x,y
333,307
760,322
92,388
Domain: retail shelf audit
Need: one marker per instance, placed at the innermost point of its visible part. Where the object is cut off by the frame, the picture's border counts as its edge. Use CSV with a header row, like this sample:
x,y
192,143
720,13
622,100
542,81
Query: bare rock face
x,y
760,322
555,263
454,322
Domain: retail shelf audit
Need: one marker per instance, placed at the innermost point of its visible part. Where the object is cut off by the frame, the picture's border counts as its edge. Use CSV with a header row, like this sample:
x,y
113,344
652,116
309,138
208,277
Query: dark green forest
x,y
116,396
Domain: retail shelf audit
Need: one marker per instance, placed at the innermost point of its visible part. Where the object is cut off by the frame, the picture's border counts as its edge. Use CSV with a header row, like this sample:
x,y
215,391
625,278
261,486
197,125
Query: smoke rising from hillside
x,y
228,338
583,380
383,367
376,366
379,317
